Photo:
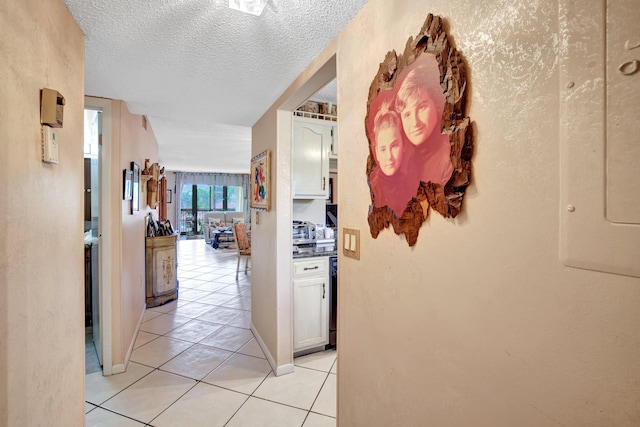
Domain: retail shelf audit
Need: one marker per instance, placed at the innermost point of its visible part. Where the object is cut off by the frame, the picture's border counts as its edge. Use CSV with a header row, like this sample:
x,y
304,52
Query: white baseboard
x,y
284,369
277,370
118,369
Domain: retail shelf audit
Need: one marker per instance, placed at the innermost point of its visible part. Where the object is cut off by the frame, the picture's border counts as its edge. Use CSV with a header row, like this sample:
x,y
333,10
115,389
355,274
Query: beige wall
x,y
271,309
175,202
124,140
41,220
136,145
264,268
480,323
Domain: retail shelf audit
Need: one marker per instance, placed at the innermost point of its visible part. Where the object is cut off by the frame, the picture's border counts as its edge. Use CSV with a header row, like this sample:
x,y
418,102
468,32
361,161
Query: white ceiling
x,y
203,73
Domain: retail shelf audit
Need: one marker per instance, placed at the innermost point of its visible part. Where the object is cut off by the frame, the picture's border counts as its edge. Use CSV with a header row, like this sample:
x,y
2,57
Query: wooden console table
x,y
161,270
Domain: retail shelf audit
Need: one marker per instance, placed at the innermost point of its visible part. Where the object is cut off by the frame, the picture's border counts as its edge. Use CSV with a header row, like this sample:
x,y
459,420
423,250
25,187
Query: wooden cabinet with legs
x,y
161,270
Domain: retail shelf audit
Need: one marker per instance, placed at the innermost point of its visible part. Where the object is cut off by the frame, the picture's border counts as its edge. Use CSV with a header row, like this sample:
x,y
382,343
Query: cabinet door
x,y
311,142
333,152
310,312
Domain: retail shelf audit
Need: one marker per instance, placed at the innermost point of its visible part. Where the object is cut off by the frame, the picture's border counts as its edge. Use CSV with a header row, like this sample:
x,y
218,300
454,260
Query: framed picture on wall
x,y
260,197
135,199
169,196
418,132
126,179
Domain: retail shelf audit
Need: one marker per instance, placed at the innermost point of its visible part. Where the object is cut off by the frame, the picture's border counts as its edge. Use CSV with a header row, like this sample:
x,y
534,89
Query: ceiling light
x,y
254,7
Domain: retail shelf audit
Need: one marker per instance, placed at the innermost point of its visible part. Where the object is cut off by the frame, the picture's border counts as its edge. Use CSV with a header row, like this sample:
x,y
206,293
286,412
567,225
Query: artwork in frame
x,y
419,136
169,196
260,181
127,177
135,199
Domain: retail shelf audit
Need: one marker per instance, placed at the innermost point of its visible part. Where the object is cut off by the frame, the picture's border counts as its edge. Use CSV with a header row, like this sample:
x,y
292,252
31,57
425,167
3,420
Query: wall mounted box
x,y
50,146
51,108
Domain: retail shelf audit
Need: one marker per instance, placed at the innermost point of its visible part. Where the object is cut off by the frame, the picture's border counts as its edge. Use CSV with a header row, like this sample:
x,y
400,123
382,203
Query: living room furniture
x,y
161,270
221,235
243,246
216,220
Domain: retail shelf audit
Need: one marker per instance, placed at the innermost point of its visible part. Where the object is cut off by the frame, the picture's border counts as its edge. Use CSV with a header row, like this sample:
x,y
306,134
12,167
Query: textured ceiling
x,y
203,73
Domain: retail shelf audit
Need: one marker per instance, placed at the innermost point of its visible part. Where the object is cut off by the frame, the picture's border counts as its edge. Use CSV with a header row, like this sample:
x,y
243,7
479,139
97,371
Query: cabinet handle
x,y
323,291
324,183
311,268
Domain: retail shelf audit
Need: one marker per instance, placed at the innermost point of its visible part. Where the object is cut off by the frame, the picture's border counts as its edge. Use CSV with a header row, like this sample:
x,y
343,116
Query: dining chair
x,y
243,246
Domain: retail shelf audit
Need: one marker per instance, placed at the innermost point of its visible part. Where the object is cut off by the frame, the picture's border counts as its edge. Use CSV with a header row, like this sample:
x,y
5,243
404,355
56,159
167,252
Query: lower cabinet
x,y
311,289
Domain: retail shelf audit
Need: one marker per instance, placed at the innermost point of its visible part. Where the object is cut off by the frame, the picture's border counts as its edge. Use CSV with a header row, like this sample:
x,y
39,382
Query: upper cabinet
x,y
333,152
312,143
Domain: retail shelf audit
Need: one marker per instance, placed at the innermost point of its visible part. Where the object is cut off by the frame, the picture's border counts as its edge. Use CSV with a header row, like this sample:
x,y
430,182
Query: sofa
x,y
215,220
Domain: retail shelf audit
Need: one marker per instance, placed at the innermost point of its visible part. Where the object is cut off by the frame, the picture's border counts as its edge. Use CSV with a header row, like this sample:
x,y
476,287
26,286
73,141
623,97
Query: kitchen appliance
x,y
333,302
331,211
303,232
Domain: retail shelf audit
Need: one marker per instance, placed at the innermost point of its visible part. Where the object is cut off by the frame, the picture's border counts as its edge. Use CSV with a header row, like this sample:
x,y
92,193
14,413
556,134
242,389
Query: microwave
x,y
303,232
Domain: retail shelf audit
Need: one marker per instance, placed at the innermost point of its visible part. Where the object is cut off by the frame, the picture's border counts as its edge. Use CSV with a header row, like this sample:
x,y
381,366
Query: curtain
x,y
191,178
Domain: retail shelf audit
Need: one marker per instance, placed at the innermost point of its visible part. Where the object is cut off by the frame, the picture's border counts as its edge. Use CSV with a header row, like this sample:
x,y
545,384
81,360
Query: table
x,y
226,233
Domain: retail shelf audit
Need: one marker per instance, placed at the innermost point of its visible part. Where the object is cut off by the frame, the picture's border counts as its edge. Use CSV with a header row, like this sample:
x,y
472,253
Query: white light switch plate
x,y
351,245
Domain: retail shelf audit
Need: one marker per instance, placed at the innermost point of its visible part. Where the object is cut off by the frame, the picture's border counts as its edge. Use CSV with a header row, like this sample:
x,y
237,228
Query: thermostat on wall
x,y
50,148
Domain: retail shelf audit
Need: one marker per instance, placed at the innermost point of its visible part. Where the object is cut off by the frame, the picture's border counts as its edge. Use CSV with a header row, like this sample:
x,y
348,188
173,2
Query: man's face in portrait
x,y
419,118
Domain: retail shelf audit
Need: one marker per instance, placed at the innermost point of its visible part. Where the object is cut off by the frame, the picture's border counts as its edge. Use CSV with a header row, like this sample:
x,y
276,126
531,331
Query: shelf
x,y
311,115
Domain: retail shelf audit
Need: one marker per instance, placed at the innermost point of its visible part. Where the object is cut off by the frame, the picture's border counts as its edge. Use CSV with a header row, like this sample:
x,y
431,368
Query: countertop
x,y
314,251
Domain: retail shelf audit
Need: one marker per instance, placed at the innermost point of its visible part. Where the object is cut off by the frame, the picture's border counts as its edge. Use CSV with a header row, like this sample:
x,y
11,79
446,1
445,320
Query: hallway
x,y
196,362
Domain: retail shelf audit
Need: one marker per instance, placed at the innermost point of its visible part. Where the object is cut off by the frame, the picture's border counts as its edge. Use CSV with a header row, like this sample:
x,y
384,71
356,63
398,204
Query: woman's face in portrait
x,y
389,150
419,118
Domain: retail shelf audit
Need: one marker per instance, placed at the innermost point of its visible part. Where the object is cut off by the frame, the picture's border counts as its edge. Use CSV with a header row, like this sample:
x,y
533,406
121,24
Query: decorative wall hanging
x,y
260,181
126,187
135,200
420,142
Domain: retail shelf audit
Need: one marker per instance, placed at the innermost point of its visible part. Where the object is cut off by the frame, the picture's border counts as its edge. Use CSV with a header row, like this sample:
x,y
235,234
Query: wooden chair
x,y
243,246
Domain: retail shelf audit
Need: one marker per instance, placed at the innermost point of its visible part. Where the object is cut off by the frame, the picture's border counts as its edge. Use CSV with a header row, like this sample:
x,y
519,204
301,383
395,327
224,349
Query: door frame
x,y
325,73
106,231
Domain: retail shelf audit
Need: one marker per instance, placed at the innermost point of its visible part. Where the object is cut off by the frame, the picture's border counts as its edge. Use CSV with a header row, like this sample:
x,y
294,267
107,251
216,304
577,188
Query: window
x,y
207,198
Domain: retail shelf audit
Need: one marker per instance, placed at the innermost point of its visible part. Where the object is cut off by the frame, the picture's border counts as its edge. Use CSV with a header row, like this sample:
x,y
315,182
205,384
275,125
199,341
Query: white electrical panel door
x,y
623,111
599,135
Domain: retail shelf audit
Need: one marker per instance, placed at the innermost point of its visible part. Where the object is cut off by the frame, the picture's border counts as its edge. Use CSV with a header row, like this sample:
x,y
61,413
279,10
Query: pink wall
x,y
41,220
136,145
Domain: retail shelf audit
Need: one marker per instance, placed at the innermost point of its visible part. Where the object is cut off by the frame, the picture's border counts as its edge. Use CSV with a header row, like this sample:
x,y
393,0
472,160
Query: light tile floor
x,y
196,362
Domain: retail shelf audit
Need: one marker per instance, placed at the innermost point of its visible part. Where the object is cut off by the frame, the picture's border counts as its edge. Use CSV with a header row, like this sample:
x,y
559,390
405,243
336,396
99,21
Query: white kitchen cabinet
x,y
333,150
311,289
310,169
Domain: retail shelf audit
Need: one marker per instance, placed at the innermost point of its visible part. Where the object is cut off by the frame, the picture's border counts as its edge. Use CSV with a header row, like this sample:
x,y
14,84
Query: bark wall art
x,y
420,140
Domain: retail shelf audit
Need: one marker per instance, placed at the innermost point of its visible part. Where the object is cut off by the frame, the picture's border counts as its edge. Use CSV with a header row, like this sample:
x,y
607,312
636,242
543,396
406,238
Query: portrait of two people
x,y
405,136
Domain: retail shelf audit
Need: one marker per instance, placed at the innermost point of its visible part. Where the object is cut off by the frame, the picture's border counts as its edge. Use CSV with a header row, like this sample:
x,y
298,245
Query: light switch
x,y
351,245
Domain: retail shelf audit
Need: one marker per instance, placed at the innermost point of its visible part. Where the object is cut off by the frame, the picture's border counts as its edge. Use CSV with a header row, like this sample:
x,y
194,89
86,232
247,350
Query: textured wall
x,y
41,220
136,144
264,306
271,293
479,323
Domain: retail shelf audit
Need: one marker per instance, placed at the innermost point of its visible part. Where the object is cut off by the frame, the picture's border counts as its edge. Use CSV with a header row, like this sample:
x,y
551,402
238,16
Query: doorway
x,y
102,228
92,135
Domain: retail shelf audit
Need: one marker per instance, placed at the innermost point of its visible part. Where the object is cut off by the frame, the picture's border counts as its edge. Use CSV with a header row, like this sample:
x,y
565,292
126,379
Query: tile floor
x,y
196,362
